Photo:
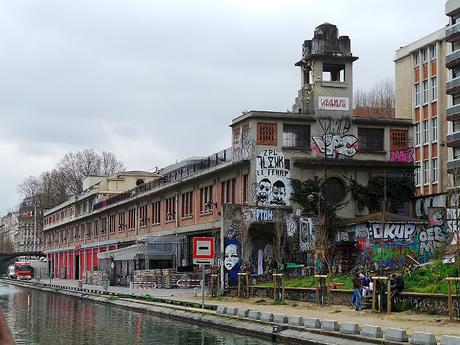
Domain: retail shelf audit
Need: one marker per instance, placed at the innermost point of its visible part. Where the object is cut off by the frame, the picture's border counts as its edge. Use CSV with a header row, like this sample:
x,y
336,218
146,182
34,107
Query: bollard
x,y
319,290
278,286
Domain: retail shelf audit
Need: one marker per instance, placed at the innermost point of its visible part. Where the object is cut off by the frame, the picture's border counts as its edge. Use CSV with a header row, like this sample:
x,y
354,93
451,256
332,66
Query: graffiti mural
x,y
336,141
243,144
403,156
273,179
423,204
257,214
291,226
306,234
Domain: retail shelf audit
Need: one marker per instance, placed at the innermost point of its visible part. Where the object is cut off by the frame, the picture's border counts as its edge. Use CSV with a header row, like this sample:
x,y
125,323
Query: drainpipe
x,y
175,230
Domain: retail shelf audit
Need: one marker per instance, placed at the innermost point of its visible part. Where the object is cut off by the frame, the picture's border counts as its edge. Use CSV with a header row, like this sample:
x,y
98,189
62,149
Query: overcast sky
x,y
157,81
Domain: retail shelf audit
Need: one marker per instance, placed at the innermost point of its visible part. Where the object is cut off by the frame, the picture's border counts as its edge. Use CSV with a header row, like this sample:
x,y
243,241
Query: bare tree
x,y
382,95
54,187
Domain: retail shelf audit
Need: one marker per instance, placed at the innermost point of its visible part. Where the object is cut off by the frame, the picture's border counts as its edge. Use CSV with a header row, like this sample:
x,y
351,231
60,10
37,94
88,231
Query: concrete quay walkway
x,y
438,325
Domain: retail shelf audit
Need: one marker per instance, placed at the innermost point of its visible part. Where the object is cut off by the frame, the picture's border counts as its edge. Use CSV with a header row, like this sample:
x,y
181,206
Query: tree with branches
x,y
381,95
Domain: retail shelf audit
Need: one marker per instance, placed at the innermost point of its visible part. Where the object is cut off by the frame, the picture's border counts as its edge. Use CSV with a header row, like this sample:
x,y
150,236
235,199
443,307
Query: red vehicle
x,y
23,270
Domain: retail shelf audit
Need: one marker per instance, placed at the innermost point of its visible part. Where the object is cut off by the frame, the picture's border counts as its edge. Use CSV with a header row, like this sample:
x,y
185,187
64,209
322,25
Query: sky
x,y
155,82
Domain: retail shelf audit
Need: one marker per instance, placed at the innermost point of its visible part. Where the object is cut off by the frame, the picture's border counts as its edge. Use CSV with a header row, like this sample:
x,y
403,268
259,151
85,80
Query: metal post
x,y
374,281
389,296
202,286
35,227
449,300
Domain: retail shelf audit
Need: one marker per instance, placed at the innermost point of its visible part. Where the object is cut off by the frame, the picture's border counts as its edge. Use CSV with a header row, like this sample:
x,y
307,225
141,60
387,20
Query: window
x,y
131,219
170,209
143,215
228,191
335,190
370,139
426,132
399,139
433,51
425,91
296,136
156,212
456,126
416,58
103,225
424,54
426,172
266,133
434,88
187,205
417,133
456,153
333,72
417,176
206,200
417,94
434,163
96,227
434,128
121,221
245,189
112,223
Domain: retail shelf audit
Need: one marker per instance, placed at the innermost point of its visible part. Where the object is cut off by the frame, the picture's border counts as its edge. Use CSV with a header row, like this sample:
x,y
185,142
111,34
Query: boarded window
x,y
266,133
296,136
399,139
370,139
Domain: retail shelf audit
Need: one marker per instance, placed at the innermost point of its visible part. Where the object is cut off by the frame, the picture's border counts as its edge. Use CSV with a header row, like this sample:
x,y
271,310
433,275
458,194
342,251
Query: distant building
x,y
420,76
9,231
452,33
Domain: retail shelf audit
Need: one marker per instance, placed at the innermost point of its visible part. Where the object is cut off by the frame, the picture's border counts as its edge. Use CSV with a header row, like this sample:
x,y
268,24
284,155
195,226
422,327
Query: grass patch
x,y
260,301
112,298
279,303
336,311
428,279
294,305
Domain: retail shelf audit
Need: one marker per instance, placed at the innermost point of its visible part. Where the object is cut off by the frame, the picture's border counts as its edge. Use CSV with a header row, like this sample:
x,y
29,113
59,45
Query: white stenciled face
x,y
231,256
263,190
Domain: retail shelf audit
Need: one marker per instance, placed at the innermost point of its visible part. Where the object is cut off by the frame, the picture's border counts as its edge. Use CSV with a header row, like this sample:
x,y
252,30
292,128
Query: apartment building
x,y
452,33
420,76
241,196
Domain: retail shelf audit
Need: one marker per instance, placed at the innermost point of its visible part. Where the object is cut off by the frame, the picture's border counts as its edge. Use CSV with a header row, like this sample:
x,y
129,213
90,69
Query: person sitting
x,y
367,285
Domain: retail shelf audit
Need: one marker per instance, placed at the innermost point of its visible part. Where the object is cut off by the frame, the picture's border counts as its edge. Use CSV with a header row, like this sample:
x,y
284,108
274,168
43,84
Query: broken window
x,y
370,139
334,72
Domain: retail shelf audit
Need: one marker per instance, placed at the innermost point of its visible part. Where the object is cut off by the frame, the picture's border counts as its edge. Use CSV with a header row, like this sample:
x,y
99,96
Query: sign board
x,y
333,103
203,250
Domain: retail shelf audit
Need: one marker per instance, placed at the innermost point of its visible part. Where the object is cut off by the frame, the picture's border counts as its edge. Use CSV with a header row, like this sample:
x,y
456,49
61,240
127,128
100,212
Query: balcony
x,y
453,166
451,7
453,113
453,86
453,140
453,59
453,33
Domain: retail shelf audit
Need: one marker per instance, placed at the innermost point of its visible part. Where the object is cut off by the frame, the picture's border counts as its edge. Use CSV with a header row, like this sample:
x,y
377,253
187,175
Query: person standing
x,y
357,286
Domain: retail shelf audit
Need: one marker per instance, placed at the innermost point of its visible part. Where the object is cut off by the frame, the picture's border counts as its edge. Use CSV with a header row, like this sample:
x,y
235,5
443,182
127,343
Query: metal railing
x,y
171,177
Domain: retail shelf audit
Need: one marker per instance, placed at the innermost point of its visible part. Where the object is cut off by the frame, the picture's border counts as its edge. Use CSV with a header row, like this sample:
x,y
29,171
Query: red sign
x,y
203,250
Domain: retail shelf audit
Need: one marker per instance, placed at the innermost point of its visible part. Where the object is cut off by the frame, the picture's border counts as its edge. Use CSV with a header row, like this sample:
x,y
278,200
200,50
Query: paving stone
x,y
254,315
295,320
450,340
266,316
311,322
349,328
330,325
231,311
280,318
372,331
396,334
242,312
422,338
221,309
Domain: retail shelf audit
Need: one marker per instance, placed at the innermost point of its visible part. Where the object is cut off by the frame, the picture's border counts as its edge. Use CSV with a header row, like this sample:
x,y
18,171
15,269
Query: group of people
x,y
362,286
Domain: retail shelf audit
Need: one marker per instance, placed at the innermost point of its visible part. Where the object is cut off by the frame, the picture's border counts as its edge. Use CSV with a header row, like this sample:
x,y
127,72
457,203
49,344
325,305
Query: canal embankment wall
x,y
292,329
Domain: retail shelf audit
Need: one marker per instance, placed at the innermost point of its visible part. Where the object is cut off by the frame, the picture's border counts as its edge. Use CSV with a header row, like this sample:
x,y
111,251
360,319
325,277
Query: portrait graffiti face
x,y
231,258
279,193
264,190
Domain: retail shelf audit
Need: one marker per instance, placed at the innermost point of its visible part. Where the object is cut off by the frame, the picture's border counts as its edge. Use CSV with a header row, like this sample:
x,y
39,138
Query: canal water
x,y
37,317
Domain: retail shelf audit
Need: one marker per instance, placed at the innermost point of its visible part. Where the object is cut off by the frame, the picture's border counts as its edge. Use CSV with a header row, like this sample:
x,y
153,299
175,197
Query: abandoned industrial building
x,y
241,196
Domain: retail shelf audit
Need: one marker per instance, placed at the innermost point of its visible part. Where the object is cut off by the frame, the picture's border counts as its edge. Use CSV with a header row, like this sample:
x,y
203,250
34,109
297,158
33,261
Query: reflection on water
x,y
37,317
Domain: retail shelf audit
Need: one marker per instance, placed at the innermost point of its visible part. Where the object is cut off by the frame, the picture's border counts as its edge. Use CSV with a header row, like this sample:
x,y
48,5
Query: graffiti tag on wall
x,y
403,156
273,179
243,145
306,234
257,215
423,204
336,142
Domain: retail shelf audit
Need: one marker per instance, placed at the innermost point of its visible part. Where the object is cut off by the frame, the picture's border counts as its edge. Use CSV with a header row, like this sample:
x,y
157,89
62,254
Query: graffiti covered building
x,y
241,196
